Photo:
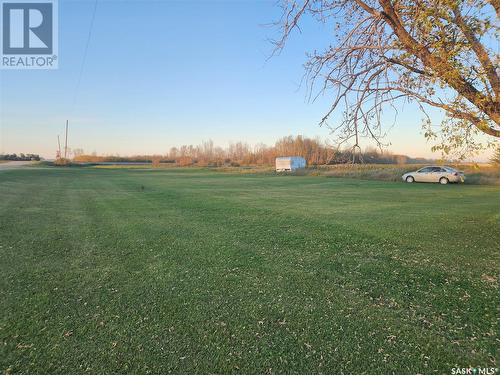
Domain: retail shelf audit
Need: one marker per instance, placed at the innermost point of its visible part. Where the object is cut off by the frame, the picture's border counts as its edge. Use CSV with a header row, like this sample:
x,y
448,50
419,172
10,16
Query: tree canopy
x,y
436,53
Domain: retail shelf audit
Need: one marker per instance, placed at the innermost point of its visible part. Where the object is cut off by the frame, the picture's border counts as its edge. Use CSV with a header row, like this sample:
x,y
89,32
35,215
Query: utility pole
x,y
66,142
59,144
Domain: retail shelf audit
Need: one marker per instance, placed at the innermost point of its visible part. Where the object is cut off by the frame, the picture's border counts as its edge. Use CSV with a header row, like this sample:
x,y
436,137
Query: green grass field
x,y
190,271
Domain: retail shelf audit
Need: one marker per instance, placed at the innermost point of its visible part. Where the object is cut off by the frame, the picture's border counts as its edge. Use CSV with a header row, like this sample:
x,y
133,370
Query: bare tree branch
x,y
391,51
480,52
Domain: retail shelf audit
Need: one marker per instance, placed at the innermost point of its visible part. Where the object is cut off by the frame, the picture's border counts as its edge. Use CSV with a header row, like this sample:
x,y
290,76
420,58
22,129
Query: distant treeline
x,y
20,157
314,151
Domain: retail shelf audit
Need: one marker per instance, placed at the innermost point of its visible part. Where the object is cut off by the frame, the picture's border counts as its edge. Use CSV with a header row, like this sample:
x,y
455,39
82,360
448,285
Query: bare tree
x,y
436,53
496,157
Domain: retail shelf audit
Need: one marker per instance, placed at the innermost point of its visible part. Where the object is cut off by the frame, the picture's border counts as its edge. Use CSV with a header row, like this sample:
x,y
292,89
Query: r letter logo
x,y
29,34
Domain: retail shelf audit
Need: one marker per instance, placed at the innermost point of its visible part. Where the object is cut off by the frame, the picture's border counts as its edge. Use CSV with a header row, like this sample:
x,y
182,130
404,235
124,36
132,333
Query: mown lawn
x,y
186,271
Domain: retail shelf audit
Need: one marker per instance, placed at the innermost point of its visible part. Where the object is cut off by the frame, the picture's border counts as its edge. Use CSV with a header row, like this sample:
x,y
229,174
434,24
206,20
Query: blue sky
x,y
160,74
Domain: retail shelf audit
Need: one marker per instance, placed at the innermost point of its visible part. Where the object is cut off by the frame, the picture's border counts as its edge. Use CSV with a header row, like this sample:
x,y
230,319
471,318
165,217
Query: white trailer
x,y
290,163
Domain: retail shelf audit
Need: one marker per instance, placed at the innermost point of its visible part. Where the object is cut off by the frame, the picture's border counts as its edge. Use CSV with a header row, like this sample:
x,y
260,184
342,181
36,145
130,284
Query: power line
x,y
77,88
80,75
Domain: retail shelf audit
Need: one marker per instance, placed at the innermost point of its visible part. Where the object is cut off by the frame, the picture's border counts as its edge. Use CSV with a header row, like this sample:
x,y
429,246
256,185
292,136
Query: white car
x,y
440,174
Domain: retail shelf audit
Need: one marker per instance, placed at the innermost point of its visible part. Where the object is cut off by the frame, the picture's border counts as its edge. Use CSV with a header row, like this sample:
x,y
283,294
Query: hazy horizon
x,y
223,145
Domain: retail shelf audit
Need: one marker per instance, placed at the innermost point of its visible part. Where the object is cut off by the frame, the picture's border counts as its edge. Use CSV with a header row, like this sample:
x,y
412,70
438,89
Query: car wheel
x,y
410,179
443,181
